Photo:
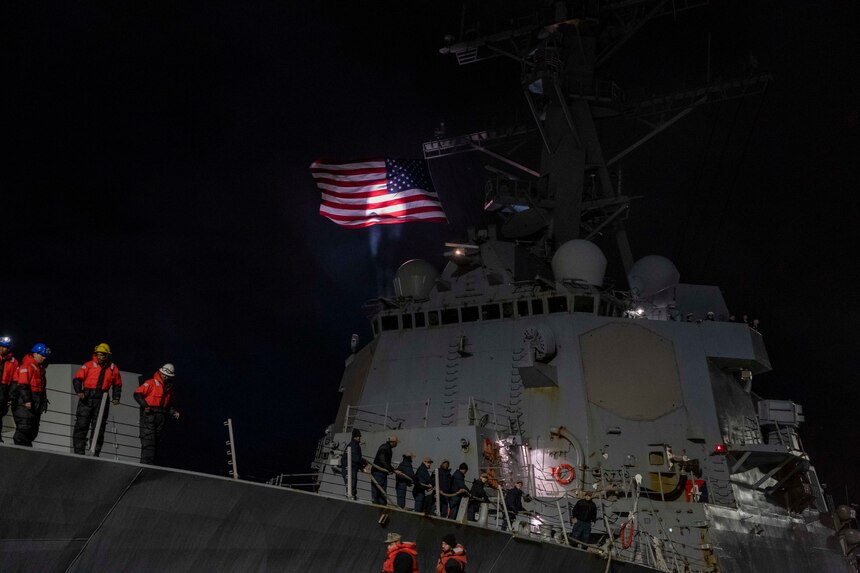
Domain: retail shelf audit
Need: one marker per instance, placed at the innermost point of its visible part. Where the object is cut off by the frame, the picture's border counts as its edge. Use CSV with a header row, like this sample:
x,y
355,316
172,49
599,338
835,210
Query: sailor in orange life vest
x,y
155,397
453,556
91,382
8,368
402,555
30,395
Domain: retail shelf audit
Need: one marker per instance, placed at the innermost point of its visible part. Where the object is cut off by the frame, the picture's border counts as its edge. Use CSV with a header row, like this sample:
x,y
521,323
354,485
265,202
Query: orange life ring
x,y
625,543
568,472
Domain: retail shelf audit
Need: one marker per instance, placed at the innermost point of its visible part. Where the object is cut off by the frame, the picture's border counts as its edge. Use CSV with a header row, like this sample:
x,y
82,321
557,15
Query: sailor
x,y
710,316
453,556
29,396
444,471
585,512
513,503
155,397
358,462
755,325
405,477
422,492
689,317
402,555
381,468
91,382
8,367
458,490
477,496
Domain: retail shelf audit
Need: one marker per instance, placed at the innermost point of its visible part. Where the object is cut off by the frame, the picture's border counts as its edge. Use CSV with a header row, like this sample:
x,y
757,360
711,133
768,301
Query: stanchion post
x,y
232,451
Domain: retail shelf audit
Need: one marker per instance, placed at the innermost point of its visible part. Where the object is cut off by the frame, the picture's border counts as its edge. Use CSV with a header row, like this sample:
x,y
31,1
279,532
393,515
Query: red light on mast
x,y
720,449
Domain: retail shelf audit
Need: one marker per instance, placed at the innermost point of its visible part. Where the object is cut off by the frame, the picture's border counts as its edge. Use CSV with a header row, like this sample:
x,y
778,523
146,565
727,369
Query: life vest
x,y
90,373
457,554
8,368
154,392
31,374
408,548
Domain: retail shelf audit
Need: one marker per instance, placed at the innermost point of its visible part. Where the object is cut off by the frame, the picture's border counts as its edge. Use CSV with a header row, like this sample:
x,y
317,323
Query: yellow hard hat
x,y
103,347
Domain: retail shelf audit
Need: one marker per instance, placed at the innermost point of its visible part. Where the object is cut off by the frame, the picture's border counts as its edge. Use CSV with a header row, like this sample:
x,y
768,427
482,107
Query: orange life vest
x,y
91,371
154,392
457,554
408,548
8,369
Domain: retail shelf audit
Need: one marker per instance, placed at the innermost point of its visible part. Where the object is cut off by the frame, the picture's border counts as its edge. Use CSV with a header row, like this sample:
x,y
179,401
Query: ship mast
x,y
574,192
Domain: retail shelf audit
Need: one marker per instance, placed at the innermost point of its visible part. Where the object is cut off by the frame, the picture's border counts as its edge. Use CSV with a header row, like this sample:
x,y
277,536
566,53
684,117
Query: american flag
x,y
377,192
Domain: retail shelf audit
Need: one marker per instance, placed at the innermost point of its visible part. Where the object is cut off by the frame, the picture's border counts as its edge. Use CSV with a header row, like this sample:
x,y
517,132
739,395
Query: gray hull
x,y
67,513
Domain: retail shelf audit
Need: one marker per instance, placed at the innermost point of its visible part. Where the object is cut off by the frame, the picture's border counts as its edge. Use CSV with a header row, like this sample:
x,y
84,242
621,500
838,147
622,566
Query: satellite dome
x,y
652,274
579,260
415,279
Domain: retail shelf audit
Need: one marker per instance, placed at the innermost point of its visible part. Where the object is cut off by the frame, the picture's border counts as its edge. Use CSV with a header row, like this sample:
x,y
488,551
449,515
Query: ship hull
x,y
69,513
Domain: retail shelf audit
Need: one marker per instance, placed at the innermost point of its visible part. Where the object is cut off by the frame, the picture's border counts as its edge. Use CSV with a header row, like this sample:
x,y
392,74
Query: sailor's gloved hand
x,y
28,405
81,395
147,410
176,415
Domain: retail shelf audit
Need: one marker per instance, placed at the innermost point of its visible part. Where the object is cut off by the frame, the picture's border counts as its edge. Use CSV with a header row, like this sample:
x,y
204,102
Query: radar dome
x,y
415,279
652,274
579,260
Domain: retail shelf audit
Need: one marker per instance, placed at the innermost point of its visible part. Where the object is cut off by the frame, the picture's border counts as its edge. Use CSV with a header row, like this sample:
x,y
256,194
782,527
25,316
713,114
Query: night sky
x,y
156,194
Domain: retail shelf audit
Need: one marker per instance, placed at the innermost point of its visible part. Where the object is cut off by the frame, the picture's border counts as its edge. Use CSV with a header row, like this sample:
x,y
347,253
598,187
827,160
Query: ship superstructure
x,y
520,360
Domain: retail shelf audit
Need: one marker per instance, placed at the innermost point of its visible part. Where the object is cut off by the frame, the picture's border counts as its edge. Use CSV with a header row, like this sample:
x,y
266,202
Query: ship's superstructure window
x,y
450,316
522,308
490,312
656,458
557,304
469,313
389,322
583,303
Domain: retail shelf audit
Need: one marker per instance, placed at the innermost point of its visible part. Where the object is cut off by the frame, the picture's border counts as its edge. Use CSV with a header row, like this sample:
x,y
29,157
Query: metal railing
x,y
387,416
121,438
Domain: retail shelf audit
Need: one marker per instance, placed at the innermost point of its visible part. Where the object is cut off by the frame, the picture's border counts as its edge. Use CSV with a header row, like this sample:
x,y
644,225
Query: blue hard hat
x,y
41,349
6,341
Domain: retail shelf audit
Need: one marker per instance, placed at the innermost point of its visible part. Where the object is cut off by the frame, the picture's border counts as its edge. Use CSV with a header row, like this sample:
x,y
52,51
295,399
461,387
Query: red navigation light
x,y
720,449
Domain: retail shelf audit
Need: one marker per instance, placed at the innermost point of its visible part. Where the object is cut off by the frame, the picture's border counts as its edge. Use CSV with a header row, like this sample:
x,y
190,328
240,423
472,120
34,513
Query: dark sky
x,y
155,194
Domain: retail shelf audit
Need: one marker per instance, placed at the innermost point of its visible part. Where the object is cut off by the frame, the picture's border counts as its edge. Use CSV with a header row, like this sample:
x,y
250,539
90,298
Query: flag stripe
x,y
373,198
377,207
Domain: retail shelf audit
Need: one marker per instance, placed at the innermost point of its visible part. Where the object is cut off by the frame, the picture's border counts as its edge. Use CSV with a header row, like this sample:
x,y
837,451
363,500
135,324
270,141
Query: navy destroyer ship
x,y
523,361
518,358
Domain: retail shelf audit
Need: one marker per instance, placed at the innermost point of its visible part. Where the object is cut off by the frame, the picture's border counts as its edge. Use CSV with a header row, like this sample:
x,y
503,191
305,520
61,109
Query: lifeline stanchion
x,y
94,440
232,451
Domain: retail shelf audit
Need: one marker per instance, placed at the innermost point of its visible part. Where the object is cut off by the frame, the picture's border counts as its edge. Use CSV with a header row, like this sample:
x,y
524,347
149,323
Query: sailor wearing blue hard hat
x,y
31,398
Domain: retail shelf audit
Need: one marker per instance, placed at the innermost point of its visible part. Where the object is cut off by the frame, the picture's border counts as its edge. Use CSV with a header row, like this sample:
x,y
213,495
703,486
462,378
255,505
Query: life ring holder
x,y
564,474
628,541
